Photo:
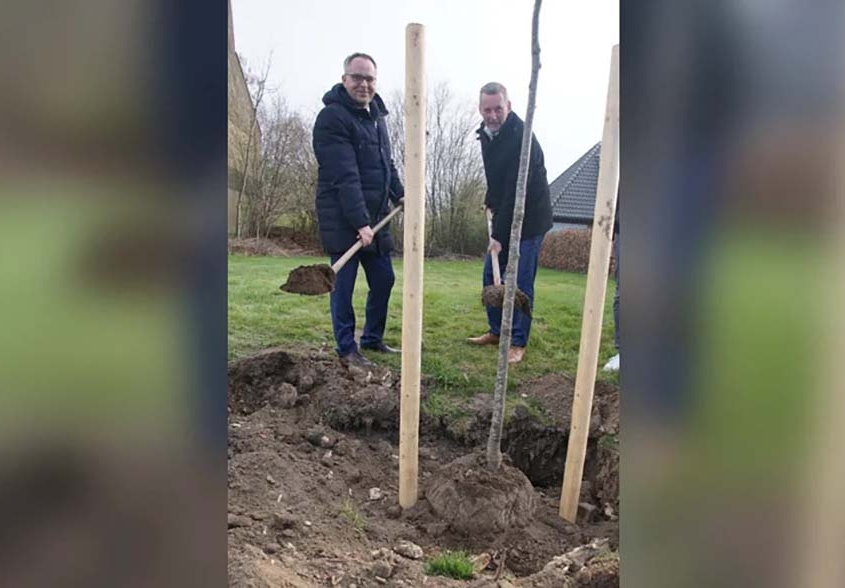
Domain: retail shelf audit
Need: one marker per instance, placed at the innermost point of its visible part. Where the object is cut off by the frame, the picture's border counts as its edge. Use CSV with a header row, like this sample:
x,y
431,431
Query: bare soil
x,y
313,482
310,280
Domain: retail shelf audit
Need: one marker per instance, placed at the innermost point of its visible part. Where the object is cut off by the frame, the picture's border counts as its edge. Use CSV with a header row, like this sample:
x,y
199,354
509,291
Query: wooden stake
x,y
414,247
604,216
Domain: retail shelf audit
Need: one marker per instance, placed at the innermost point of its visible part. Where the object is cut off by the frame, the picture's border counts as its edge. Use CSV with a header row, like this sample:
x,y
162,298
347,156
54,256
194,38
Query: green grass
x,y
352,516
452,564
262,316
609,442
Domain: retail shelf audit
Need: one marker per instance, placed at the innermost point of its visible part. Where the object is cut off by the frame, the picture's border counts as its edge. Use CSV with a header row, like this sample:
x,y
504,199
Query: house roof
x,y
573,193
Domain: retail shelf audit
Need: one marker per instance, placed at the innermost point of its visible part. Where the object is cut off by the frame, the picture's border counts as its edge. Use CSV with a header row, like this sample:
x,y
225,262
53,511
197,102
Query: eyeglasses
x,y
358,78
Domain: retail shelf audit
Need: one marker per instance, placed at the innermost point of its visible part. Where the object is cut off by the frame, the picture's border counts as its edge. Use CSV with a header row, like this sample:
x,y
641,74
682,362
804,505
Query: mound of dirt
x,y
474,500
313,485
588,566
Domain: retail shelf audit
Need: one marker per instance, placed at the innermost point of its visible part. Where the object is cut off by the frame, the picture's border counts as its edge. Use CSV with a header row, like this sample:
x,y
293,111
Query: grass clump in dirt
x,y
352,516
452,564
609,442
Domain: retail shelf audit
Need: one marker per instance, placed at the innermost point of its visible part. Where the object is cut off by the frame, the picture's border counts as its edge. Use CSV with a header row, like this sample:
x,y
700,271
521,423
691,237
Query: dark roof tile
x,y
573,193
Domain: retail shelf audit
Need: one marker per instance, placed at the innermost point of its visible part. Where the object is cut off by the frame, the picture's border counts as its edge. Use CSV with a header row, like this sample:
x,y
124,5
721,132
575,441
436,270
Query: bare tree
x,y
455,174
256,85
286,171
454,171
494,440
396,130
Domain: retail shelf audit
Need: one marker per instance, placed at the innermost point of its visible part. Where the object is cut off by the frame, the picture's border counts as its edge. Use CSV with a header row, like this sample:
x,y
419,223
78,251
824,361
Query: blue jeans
x,y
529,255
380,278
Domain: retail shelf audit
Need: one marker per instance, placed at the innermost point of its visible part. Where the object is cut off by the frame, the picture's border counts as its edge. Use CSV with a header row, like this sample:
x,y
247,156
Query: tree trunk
x,y
494,441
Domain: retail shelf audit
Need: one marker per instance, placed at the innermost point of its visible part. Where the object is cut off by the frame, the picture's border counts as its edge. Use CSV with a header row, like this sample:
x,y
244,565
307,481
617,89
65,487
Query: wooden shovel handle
x,y
358,245
494,258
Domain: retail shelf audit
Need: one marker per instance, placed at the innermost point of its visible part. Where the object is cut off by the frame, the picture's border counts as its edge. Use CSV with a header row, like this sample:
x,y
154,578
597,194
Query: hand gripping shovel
x,y
494,295
319,279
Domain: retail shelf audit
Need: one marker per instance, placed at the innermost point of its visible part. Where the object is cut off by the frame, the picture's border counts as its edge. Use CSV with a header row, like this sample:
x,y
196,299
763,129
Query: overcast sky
x,y
468,43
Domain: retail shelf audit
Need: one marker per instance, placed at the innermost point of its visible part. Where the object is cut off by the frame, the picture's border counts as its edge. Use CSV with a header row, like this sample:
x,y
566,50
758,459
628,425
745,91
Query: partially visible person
x,y
356,182
500,135
613,363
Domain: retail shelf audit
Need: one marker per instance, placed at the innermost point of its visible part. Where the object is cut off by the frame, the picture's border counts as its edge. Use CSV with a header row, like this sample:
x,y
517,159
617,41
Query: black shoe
x,y
381,348
356,359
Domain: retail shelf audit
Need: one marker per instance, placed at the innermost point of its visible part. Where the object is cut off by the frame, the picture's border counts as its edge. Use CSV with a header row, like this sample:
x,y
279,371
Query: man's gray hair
x,y
348,61
493,88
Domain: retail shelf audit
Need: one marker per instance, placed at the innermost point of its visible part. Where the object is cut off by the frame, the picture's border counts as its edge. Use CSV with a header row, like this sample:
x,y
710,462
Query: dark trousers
x,y
529,256
380,278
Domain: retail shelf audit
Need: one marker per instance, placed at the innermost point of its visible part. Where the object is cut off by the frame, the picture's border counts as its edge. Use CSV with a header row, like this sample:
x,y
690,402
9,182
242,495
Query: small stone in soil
x,y
284,396
318,438
375,494
284,521
587,513
327,460
382,569
272,548
394,512
271,480
409,550
238,521
481,562
289,533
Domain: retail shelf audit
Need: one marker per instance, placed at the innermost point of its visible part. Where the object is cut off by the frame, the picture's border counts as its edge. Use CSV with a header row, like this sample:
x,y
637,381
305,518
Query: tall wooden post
x,y
603,220
414,247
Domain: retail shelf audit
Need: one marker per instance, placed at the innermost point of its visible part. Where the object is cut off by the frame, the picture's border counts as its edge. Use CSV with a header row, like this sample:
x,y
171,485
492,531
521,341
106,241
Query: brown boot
x,y
485,339
515,354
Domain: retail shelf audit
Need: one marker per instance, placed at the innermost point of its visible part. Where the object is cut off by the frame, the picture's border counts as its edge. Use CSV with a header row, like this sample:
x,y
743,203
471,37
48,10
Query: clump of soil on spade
x,y
310,280
495,296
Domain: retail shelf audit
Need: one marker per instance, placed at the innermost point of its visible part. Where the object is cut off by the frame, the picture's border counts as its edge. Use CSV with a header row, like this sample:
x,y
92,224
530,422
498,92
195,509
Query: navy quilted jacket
x,y
356,177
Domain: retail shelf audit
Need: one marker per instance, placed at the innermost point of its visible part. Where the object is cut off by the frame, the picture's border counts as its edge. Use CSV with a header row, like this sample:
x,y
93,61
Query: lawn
x,y
261,316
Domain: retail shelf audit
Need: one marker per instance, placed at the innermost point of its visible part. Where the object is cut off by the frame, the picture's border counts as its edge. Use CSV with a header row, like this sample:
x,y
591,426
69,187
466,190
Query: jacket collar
x,y
509,126
339,95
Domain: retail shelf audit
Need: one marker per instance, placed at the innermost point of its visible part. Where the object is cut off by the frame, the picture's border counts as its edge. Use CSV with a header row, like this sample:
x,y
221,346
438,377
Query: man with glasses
x,y
356,181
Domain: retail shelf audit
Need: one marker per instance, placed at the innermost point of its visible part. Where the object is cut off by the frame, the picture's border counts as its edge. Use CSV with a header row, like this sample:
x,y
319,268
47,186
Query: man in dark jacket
x,y
355,182
501,143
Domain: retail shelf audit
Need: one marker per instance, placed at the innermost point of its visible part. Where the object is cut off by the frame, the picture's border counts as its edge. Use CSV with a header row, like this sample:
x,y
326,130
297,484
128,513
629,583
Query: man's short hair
x,y
493,88
348,61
